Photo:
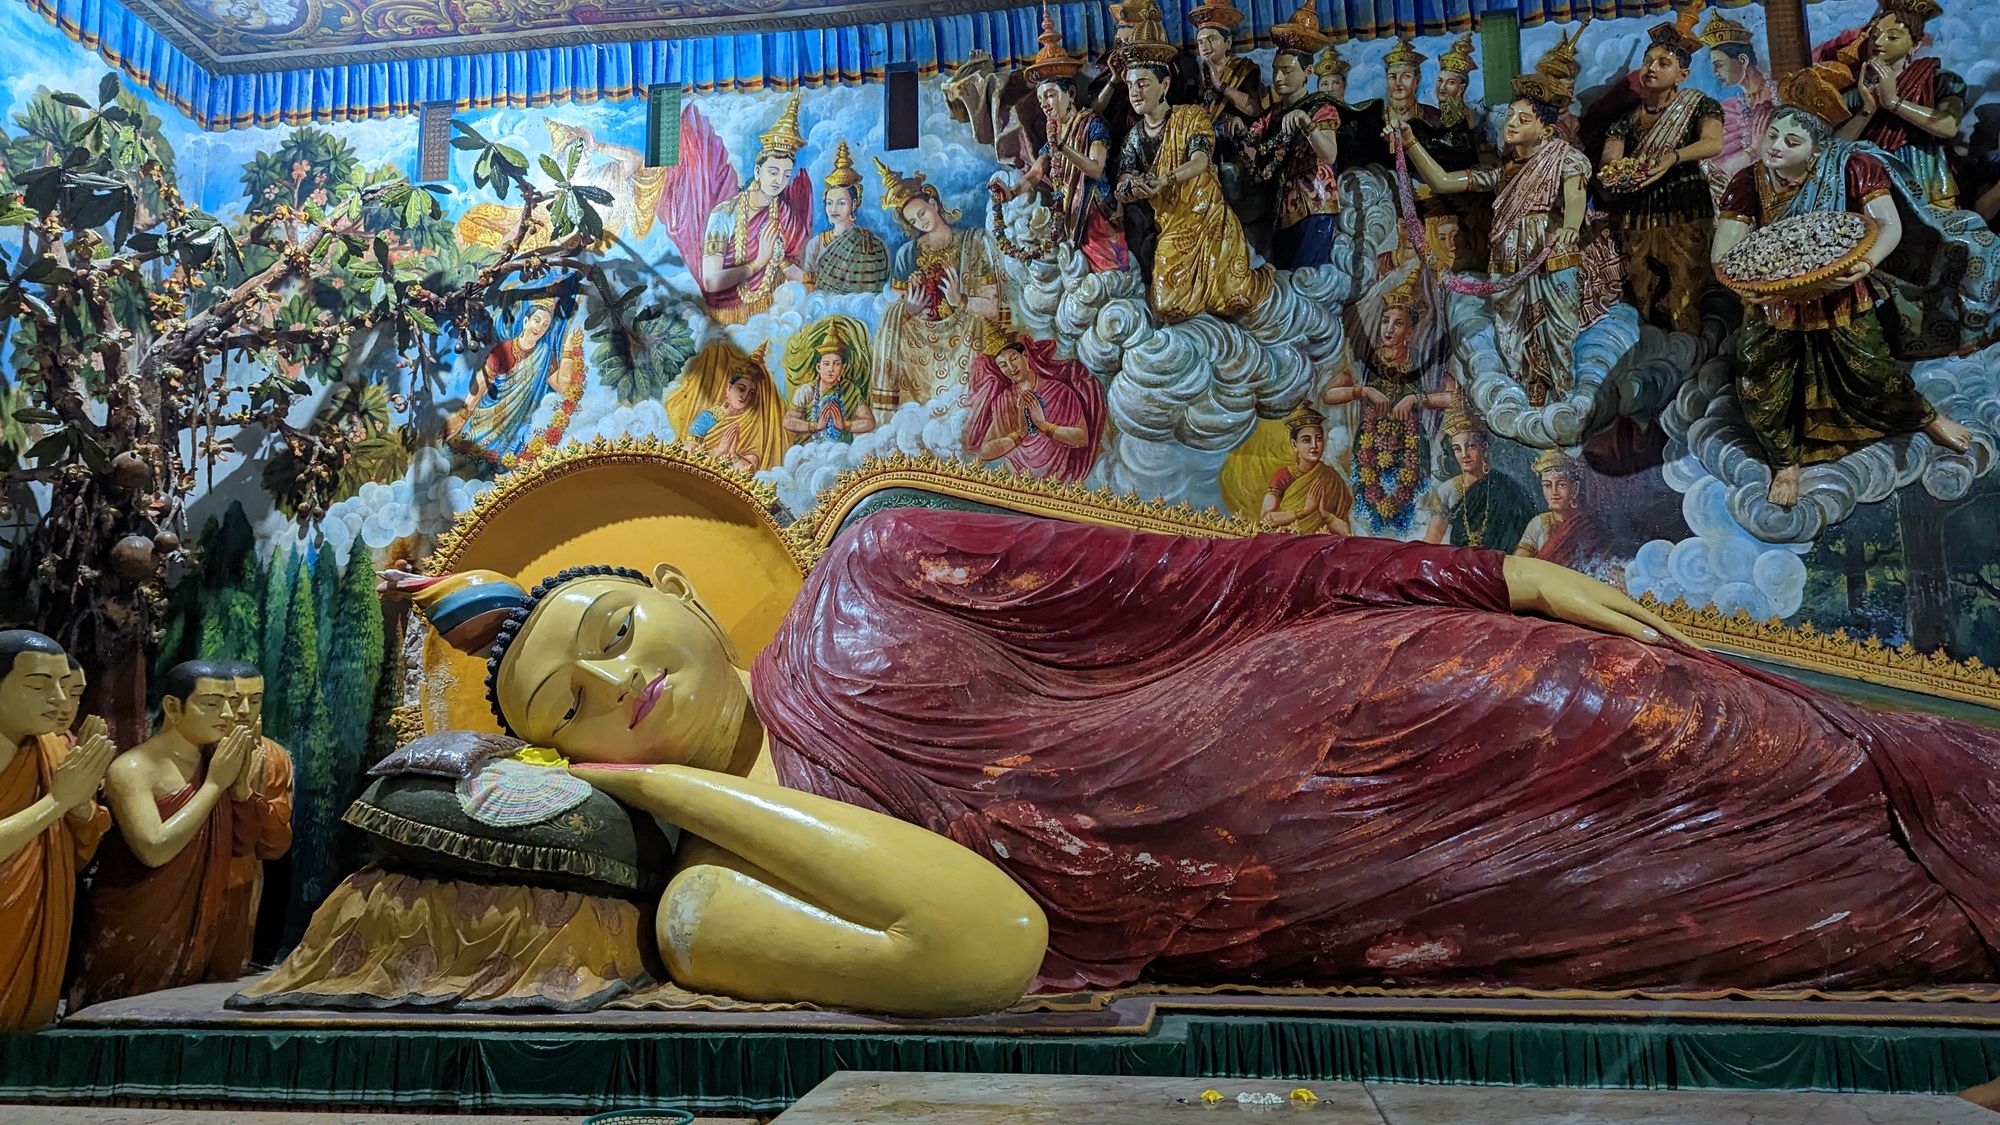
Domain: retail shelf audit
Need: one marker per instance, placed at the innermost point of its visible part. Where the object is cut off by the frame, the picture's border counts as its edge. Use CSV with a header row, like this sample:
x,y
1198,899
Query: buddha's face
x,y
1788,149
1524,127
611,670
1451,86
208,712
832,367
1288,75
1212,45
1470,449
1402,86
73,683
31,695
1662,70
1559,489
1309,443
250,703
839,205
773,173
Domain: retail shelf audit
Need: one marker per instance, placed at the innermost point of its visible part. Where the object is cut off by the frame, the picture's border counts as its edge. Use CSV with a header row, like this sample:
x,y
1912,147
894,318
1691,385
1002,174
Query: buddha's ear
x,y
670,581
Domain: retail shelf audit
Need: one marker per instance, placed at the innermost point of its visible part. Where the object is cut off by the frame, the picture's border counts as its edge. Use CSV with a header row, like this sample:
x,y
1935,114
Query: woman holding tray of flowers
x,y
1907,106
1817,373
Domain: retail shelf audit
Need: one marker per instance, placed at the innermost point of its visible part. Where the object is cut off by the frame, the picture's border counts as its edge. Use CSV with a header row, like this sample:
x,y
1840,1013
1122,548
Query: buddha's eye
x,y
575,702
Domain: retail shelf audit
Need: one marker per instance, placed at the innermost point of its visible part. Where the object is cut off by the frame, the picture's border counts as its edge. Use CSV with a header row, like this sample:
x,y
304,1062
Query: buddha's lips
x,y
643,706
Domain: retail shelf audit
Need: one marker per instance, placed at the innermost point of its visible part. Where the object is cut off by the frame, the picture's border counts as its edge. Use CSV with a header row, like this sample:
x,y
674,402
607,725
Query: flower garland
x,y
1413,229
1385,450
1038,250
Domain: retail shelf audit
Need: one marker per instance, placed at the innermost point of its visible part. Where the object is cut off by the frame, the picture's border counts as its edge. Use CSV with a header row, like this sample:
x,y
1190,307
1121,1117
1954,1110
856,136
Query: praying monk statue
x,y
156,913
50,823
261,804
986,753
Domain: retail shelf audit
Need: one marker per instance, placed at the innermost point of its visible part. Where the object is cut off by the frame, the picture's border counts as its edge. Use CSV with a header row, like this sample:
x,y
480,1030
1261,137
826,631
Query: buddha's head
x,y
32,667
73,683
1529,123
602,664
198,701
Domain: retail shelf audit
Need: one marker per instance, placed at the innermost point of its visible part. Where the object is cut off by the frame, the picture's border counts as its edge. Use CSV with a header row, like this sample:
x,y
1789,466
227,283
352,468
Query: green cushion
x,y
599,847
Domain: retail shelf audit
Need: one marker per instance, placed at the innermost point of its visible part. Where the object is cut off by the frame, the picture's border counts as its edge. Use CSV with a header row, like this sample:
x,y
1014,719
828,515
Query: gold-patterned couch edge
x,y
807,538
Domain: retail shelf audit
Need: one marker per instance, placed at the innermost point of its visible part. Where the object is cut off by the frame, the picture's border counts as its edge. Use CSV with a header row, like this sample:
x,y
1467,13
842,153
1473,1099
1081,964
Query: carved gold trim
x,y
565,460
1036,496
1836,653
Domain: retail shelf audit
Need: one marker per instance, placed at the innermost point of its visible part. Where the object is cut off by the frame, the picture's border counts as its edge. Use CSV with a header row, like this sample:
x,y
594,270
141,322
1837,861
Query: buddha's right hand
x,y
1538,586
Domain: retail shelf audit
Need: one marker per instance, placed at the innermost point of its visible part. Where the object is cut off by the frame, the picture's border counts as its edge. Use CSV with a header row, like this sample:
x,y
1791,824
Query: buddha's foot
x,y
1949,434
1785,486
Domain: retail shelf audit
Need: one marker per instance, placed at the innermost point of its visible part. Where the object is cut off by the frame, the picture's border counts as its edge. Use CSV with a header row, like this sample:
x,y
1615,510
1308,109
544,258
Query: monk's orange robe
x,y
38,889
263,830
152,928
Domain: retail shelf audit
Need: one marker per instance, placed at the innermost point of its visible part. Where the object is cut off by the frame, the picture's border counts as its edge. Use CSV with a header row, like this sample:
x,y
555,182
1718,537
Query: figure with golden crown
x,y
1821,369
1543,294
1297,146
749,244
1396,385
1074,164
1038,414
950,297
1566,534
1307,496
828,367
1201,257
1465,249
1907,106
1655,188
1330,74
727,404
1746,114
1479,506
1454,146
849,258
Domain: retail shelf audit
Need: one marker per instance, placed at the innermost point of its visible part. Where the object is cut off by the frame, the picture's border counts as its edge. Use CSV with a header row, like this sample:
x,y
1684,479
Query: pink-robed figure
x,y
1041,415
1340,760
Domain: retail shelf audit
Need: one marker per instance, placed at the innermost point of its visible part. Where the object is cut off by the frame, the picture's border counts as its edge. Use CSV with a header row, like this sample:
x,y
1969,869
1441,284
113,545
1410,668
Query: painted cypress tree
x,y
326,596
354,663
231,616
279,577
311,735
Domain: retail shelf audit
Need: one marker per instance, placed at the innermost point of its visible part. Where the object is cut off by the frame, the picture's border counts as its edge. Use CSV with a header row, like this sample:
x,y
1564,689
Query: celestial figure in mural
x,y
726,404
1732,54
950,296
1454,79
1481,506
1308,495
1074,164
1330,73
1201,260
1566,533
154,917
1543,294
1909,107
1401,391
261,804
1297,148
1503,754
741,243
543,356
1816,373
1446,223
827,367
1656,191
1039,415
849,258
50,824
1232,90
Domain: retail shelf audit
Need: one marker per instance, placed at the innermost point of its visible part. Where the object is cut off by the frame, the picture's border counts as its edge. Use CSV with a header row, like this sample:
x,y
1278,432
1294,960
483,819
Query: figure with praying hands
x,y
1907,106
261,810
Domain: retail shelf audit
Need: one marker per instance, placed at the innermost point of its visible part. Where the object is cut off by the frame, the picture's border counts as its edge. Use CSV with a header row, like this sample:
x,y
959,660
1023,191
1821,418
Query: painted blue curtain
x,y
780,60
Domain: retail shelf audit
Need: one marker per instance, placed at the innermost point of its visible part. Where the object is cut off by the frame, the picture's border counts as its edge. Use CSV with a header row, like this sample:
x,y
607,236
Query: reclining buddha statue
x,y
986,754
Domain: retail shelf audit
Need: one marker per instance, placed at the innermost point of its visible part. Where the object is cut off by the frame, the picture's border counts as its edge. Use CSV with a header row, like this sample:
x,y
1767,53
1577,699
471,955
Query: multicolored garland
x,y
1033,252
1402,457
1413,229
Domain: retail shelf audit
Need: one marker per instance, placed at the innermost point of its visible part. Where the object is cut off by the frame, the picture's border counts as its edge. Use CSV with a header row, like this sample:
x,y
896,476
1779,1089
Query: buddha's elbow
x,y
983,960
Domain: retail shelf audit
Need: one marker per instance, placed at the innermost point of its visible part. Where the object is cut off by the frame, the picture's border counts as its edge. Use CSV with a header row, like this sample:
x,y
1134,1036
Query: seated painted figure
x,y
987,753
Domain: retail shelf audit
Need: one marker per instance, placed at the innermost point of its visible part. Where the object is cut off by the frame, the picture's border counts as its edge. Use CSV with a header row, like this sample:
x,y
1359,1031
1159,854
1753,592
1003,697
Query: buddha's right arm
x,y
790,896
17,831
153,841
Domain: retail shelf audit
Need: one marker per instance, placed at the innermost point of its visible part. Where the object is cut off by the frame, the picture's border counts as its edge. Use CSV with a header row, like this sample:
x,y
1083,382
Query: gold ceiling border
x,y
1036,496
1836,653
581,456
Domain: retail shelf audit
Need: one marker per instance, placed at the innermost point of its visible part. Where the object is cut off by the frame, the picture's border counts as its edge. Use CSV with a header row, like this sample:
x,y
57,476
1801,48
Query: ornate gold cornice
x,y
815,530
581,456
1836,653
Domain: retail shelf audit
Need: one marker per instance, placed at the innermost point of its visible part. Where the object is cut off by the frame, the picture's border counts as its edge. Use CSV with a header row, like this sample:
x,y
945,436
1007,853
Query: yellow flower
x,y
1304,1095
541,756
1385,459
1211,1096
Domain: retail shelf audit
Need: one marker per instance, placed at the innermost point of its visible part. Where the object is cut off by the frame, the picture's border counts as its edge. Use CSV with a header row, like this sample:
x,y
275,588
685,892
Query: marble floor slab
x,y
874,1098
93,1115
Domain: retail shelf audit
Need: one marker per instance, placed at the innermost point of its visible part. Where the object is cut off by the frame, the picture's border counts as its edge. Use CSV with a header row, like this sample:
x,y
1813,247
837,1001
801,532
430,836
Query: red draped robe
x,y
1306,759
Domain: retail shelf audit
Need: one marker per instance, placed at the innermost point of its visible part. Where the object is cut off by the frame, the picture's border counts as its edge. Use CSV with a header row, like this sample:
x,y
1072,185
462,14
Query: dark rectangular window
x,y
900,130
434,142
663,126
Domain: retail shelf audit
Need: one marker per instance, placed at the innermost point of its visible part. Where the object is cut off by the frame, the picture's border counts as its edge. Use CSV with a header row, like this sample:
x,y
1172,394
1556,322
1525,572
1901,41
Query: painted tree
x,y
126,316
280,575
326,597
232,618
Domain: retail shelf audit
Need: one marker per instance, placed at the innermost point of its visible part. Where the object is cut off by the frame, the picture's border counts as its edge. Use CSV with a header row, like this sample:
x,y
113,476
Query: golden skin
x,y
780,895
33,700
169,760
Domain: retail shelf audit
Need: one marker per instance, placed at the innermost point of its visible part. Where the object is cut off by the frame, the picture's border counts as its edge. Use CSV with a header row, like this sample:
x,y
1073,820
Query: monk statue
x,y
50,823
155,914
261,809
961,769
